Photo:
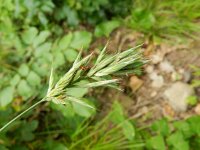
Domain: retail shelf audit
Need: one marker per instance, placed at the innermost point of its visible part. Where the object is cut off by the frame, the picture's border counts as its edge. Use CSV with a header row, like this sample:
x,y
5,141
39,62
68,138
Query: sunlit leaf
x,y
41,38
59,59
15,80
70,54
43,49
117,114
33,79
156,143
128,130
81,39
177,141
161,127
105,28
6,96
23,70
65,41
82,108
29,35
24,89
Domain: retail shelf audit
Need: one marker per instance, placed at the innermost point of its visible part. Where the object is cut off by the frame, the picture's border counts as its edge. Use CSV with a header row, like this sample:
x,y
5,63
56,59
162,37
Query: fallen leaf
x,y
135,83
197,109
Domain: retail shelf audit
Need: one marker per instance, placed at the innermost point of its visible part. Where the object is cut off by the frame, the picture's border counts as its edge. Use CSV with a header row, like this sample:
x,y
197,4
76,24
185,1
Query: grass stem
x,y
21,114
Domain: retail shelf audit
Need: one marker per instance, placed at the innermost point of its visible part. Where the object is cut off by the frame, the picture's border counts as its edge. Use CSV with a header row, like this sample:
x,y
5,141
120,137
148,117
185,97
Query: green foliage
x,y
52,144
34,11
177,141
161,127
166,19
36,33
105,28
99,136
117,117
177,135
156,143
51,13
81,40
79,132
192,100
59,93
6,96
92,12
196,73
24,132
37,45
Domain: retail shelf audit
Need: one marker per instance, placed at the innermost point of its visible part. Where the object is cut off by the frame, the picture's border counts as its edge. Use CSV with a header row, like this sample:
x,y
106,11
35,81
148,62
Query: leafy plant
x,y
192,100
49,14
196,73
165,19
107,133
34,11
124,62
91,12
178,135
105,28
25,77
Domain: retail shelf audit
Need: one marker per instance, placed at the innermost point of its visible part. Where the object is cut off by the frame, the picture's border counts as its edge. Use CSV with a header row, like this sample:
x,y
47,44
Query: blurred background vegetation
x,y
35,33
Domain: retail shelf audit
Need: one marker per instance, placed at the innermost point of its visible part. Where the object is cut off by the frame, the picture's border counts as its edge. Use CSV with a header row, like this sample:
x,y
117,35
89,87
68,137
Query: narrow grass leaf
x,y
73,99
99,83
101,55
78,57
51,80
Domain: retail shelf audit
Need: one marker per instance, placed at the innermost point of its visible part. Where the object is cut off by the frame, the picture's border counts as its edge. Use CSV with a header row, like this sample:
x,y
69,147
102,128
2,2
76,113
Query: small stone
x,y
153,75
149,69
153,94
135,83
197,109
157,80
158,83
181,70
177,95
156,58
165,66
187,76
173,76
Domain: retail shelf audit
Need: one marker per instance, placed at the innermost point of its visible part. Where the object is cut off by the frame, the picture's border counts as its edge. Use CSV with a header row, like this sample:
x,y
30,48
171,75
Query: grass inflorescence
x,y
100,74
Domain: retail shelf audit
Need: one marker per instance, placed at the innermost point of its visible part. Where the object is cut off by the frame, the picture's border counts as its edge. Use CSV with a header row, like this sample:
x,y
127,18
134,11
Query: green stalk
x,y
21,114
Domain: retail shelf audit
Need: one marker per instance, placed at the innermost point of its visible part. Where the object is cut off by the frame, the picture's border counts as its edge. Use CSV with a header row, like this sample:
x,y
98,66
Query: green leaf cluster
x,y
178,135
165,19
37,52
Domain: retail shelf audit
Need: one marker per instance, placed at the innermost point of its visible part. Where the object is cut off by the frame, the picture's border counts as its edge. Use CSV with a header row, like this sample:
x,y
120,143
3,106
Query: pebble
x,y
177,95
157,80
187,76
153,94
156,58
149,69
166,66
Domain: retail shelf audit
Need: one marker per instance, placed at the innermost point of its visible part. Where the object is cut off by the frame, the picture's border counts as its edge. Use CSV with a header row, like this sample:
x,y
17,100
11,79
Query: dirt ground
x,y
142,98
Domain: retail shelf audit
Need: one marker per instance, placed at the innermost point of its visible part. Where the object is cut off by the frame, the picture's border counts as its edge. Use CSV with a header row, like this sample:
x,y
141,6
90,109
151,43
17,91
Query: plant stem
x,y
22,113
